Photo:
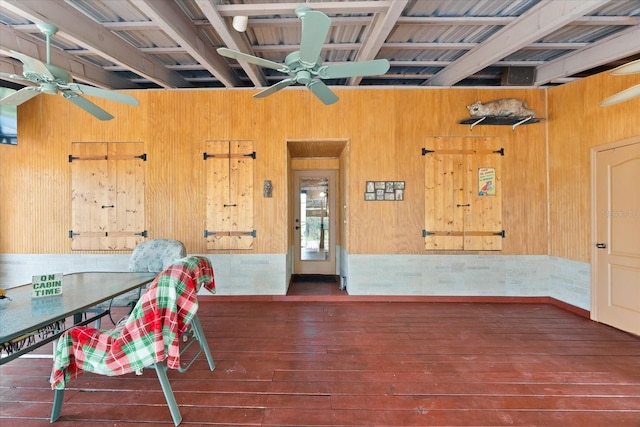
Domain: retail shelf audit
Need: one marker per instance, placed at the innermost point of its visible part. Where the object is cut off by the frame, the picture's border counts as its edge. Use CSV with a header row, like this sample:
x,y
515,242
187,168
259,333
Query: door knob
x,y
297,227
601,245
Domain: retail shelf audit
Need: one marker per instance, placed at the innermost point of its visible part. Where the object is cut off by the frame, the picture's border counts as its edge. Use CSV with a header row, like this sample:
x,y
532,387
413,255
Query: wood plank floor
x,y
319,363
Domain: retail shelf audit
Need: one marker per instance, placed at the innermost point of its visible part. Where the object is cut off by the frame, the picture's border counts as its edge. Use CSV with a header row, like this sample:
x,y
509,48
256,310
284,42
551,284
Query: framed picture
x,y
388,187
370,187
384,190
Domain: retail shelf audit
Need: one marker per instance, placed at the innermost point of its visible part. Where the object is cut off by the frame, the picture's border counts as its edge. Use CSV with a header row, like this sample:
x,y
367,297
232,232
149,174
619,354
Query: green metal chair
x,y
172,298
195,335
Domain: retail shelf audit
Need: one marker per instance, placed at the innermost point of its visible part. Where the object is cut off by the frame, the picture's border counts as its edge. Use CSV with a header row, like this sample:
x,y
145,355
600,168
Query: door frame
x,y
315,266
594,217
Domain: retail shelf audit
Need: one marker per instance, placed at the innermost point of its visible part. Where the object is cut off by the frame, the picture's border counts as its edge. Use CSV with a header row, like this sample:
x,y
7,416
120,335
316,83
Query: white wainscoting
x,y
234,274
470,275
429,275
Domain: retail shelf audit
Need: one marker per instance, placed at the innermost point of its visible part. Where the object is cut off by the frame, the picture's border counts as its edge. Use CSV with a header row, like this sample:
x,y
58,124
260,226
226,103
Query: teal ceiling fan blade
x,y
625,95
276,87
322,91
315,27
630,68
13,77
33,65
101,93
354,69
87,105
23,95
230,53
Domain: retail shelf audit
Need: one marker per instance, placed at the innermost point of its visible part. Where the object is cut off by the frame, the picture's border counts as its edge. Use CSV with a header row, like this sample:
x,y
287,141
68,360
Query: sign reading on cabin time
x,y
46,285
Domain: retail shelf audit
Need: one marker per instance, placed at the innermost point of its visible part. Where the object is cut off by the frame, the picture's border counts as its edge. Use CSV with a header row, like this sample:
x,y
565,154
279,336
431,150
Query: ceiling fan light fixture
x,y
240,23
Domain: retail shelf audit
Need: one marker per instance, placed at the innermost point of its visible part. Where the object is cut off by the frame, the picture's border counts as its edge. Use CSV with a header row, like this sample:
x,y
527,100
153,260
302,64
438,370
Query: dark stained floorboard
x,y
352,363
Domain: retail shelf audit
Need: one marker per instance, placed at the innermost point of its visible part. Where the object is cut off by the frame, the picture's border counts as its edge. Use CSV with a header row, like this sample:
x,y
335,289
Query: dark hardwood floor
x,y
359,363
315,284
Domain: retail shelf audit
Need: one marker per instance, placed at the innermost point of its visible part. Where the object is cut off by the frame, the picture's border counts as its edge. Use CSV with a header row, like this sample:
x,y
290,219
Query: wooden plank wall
x,y
385,129
576,125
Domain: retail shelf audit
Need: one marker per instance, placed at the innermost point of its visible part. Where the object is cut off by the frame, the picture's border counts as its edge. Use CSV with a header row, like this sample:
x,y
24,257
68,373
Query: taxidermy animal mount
x,y
507,107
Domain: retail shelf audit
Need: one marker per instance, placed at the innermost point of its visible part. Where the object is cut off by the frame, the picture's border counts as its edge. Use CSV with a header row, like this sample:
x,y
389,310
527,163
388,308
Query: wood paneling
x,y
314,148
315,163
577,125
385,129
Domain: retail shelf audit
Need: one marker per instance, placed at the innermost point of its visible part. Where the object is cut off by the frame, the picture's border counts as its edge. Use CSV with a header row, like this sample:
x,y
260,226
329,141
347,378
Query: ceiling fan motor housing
x,y
295,64
303,77
49,88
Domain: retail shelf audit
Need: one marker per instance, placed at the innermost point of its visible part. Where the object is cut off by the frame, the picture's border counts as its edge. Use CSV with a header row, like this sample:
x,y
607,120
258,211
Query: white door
x,y
616,260
314,221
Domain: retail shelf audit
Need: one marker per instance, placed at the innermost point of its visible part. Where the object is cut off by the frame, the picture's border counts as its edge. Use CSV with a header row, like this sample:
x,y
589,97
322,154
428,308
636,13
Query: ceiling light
x,y
240,23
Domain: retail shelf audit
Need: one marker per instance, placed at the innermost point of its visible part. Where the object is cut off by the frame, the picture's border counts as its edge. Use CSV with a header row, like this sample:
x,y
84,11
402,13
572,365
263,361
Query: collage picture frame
x,y
384,191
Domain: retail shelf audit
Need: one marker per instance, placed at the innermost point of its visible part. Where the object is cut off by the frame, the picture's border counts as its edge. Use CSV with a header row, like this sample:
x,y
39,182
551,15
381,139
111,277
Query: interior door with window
x,y
314,221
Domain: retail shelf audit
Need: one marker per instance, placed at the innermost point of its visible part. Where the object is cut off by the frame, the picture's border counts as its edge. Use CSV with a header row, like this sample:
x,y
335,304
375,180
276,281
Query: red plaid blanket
x,y
150,334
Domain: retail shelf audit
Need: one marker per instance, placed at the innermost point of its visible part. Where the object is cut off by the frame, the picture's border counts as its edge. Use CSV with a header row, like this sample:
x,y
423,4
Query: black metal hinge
x,y
106,234
251,233
205,156
142,156
425,151
426,233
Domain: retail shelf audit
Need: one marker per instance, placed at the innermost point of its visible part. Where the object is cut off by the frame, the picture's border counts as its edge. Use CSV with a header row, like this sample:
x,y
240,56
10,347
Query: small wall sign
x,y
486,181
46,285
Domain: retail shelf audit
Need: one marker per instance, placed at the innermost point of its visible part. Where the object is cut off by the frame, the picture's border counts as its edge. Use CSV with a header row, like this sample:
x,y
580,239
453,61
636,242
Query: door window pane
x,y
314,221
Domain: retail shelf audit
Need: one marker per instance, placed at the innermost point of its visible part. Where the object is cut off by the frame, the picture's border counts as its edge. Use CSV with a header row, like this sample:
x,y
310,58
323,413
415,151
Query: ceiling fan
x,y
304,66
627,94
52,80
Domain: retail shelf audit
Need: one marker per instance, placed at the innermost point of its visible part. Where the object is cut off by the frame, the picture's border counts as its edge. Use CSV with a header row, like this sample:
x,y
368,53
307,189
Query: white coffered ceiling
x,y
138,44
